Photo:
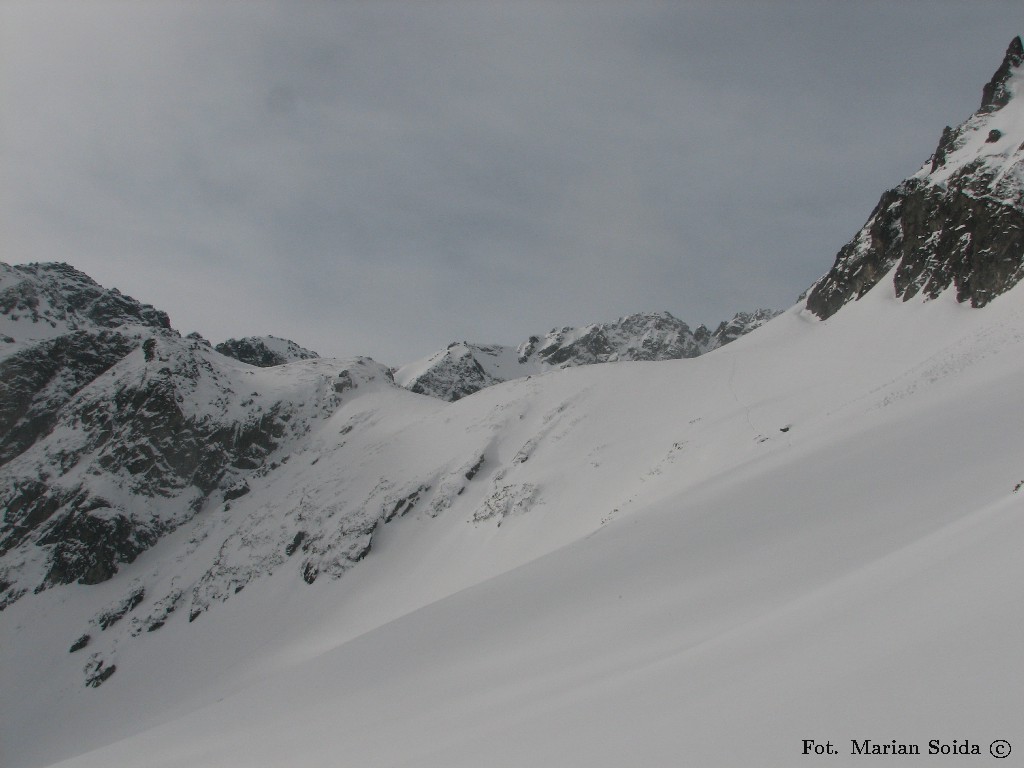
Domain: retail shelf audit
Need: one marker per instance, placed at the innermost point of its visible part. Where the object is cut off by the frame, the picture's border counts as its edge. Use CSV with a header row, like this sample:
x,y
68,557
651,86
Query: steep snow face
x,y
959,221
265,351
465,368
984,155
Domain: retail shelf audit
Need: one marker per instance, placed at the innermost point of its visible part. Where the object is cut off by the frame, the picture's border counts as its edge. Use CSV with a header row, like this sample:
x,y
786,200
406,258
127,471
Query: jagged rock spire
x,y
995,93
958,222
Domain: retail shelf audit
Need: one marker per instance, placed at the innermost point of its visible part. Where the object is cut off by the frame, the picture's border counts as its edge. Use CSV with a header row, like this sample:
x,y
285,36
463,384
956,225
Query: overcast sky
x,y
384,178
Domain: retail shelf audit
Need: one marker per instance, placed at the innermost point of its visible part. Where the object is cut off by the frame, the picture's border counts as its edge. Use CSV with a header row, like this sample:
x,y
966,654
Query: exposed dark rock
x,y
127,605
139,428
59,295
295,543
458,376
995,93
934,238
38,381
405,504
236,491
310,572
472,471
264,351
741,324
91,538
958,223
946,141
80,643
96,673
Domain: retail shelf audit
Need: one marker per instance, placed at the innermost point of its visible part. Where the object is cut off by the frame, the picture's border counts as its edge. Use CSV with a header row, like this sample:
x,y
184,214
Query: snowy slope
x,y
646,565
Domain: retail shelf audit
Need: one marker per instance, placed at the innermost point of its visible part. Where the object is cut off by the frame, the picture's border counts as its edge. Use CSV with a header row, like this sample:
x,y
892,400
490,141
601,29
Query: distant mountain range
x,y
464,368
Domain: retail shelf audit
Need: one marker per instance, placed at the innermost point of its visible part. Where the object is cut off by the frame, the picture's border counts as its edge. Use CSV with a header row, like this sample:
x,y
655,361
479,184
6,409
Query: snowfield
x,y
814,532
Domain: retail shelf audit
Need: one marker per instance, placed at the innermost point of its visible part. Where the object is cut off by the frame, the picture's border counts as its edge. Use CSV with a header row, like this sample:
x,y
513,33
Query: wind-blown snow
x,y
813,532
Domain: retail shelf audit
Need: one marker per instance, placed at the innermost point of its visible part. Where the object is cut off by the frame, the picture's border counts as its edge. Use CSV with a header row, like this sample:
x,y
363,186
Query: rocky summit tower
x,y
956,223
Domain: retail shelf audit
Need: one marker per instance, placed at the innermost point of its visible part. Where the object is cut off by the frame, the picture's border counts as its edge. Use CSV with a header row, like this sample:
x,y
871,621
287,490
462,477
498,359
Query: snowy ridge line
x,y
464,368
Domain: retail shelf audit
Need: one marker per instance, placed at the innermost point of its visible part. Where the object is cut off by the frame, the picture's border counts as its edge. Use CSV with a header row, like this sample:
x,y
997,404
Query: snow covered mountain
x,y
118,431
810,534
464,368
58,331
958,221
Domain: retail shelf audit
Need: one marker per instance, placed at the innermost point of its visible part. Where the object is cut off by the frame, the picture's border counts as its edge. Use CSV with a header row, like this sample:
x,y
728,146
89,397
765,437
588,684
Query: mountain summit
x,y
996,93
958,222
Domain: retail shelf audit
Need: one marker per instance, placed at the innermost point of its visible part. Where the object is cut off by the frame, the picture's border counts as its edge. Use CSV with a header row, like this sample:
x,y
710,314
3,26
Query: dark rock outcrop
x,y
996,94
39,380
956,224
264,351
59,296
114,430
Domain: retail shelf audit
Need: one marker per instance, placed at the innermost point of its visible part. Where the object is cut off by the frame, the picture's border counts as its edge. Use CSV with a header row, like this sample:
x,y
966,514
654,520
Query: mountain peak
x,y
265,351
46,300
956,223
996,94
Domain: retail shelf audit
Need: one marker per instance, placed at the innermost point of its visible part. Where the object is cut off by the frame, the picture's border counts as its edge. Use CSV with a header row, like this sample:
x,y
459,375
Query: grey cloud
x,y
382,178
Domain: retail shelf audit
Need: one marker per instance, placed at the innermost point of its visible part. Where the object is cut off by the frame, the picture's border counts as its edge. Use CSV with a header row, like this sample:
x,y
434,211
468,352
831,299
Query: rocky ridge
x,y
464,368
264,351
958,223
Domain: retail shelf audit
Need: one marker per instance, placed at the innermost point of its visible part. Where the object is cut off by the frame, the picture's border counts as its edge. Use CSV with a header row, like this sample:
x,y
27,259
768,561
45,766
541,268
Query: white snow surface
x,y
811,533
987,147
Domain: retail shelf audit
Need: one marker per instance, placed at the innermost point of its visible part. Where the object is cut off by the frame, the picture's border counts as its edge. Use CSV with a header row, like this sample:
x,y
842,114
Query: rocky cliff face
x,y
170,430
114,430
958,223
39,301
59,330
464,368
